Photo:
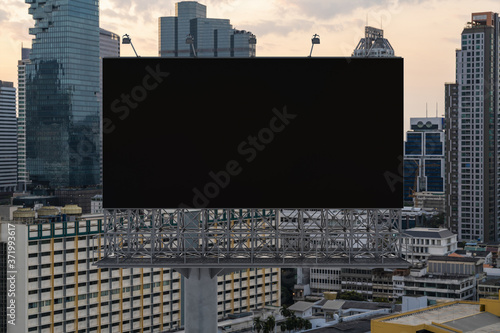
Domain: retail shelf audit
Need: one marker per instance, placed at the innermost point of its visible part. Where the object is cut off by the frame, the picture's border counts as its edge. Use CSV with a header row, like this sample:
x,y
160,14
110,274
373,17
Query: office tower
x,y
424,157
8,137
373,45
208,37
62,94
452,156
109,47
23,175
477,164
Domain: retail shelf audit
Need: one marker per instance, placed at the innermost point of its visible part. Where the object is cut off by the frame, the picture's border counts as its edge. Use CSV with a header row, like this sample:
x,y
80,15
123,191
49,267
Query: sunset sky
x,y
424,32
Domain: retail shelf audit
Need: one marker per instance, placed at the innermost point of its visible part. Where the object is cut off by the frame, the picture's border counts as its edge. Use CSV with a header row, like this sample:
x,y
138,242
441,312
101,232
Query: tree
x,y
300,323
285,312
258,325
269,324
351,296
435,221
291,322
381,299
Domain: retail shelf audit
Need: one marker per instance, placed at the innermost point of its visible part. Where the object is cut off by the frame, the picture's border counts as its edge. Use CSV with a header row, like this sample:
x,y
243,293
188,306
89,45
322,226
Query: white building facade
x,y
8,137
420,243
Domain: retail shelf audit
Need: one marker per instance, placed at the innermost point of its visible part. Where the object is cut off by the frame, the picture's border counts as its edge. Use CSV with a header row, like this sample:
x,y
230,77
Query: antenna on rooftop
x,y
436,109
426,116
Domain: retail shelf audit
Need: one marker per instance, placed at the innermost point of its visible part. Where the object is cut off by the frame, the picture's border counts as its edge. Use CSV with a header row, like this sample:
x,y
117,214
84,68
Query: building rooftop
x,y
366,305
491,282
429,232
484,322
442,314
453,258
333,305
301,306
465,317
482,254
356,326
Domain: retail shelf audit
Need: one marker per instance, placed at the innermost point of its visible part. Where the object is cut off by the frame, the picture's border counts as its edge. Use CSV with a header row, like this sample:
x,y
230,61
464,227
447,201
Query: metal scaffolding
x,y
252,238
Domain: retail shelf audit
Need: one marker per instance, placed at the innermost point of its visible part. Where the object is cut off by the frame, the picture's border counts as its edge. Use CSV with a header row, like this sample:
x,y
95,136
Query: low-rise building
x,y
325,279
457,316
489,288
487,256
443,277
358,280
421,243
382,284
302,309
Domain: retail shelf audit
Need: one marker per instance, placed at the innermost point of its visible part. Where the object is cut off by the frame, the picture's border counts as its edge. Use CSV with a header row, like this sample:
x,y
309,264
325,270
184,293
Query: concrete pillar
x,y
200,302
200,285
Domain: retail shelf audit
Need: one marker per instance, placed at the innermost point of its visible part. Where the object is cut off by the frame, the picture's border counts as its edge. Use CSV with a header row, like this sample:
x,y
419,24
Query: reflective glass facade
x,y
433,144
62,93
413,144
211,37
23,176
433,174
424,157
410,183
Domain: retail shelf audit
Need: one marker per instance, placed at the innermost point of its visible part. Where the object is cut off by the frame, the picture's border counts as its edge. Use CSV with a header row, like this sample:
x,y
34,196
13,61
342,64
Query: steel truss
x,y
246,238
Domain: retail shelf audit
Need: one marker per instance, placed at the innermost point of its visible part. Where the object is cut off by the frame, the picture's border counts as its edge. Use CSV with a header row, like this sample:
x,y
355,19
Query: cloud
x,y
4,16
17,31
325,10
143,11
267,27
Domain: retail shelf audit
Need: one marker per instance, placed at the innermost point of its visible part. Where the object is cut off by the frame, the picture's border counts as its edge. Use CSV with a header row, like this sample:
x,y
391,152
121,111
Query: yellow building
x,y
457,316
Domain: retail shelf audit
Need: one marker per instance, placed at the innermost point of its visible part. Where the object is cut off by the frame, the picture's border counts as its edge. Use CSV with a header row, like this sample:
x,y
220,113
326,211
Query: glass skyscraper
x,y
211,37
424,157
109,47
23,176
62,94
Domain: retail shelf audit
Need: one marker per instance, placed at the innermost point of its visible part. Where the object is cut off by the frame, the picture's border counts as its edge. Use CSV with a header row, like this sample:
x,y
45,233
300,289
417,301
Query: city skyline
x,y
426,33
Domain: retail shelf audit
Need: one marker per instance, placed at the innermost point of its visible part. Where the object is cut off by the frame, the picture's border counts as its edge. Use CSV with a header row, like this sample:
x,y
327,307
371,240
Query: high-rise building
x,y
58,289
109,47
373,45
23,175
452,156
8,137
424,157
208,37
474,165
62,94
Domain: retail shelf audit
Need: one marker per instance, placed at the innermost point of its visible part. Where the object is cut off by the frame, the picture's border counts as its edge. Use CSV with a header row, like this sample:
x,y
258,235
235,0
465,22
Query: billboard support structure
x,y
203,243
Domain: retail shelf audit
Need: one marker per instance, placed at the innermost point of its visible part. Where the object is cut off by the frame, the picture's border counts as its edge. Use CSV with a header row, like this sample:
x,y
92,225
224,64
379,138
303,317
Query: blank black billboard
x,y
252,132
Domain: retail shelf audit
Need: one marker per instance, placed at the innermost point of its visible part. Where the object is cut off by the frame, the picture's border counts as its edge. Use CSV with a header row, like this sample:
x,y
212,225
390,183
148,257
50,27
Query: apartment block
x,y
58,288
